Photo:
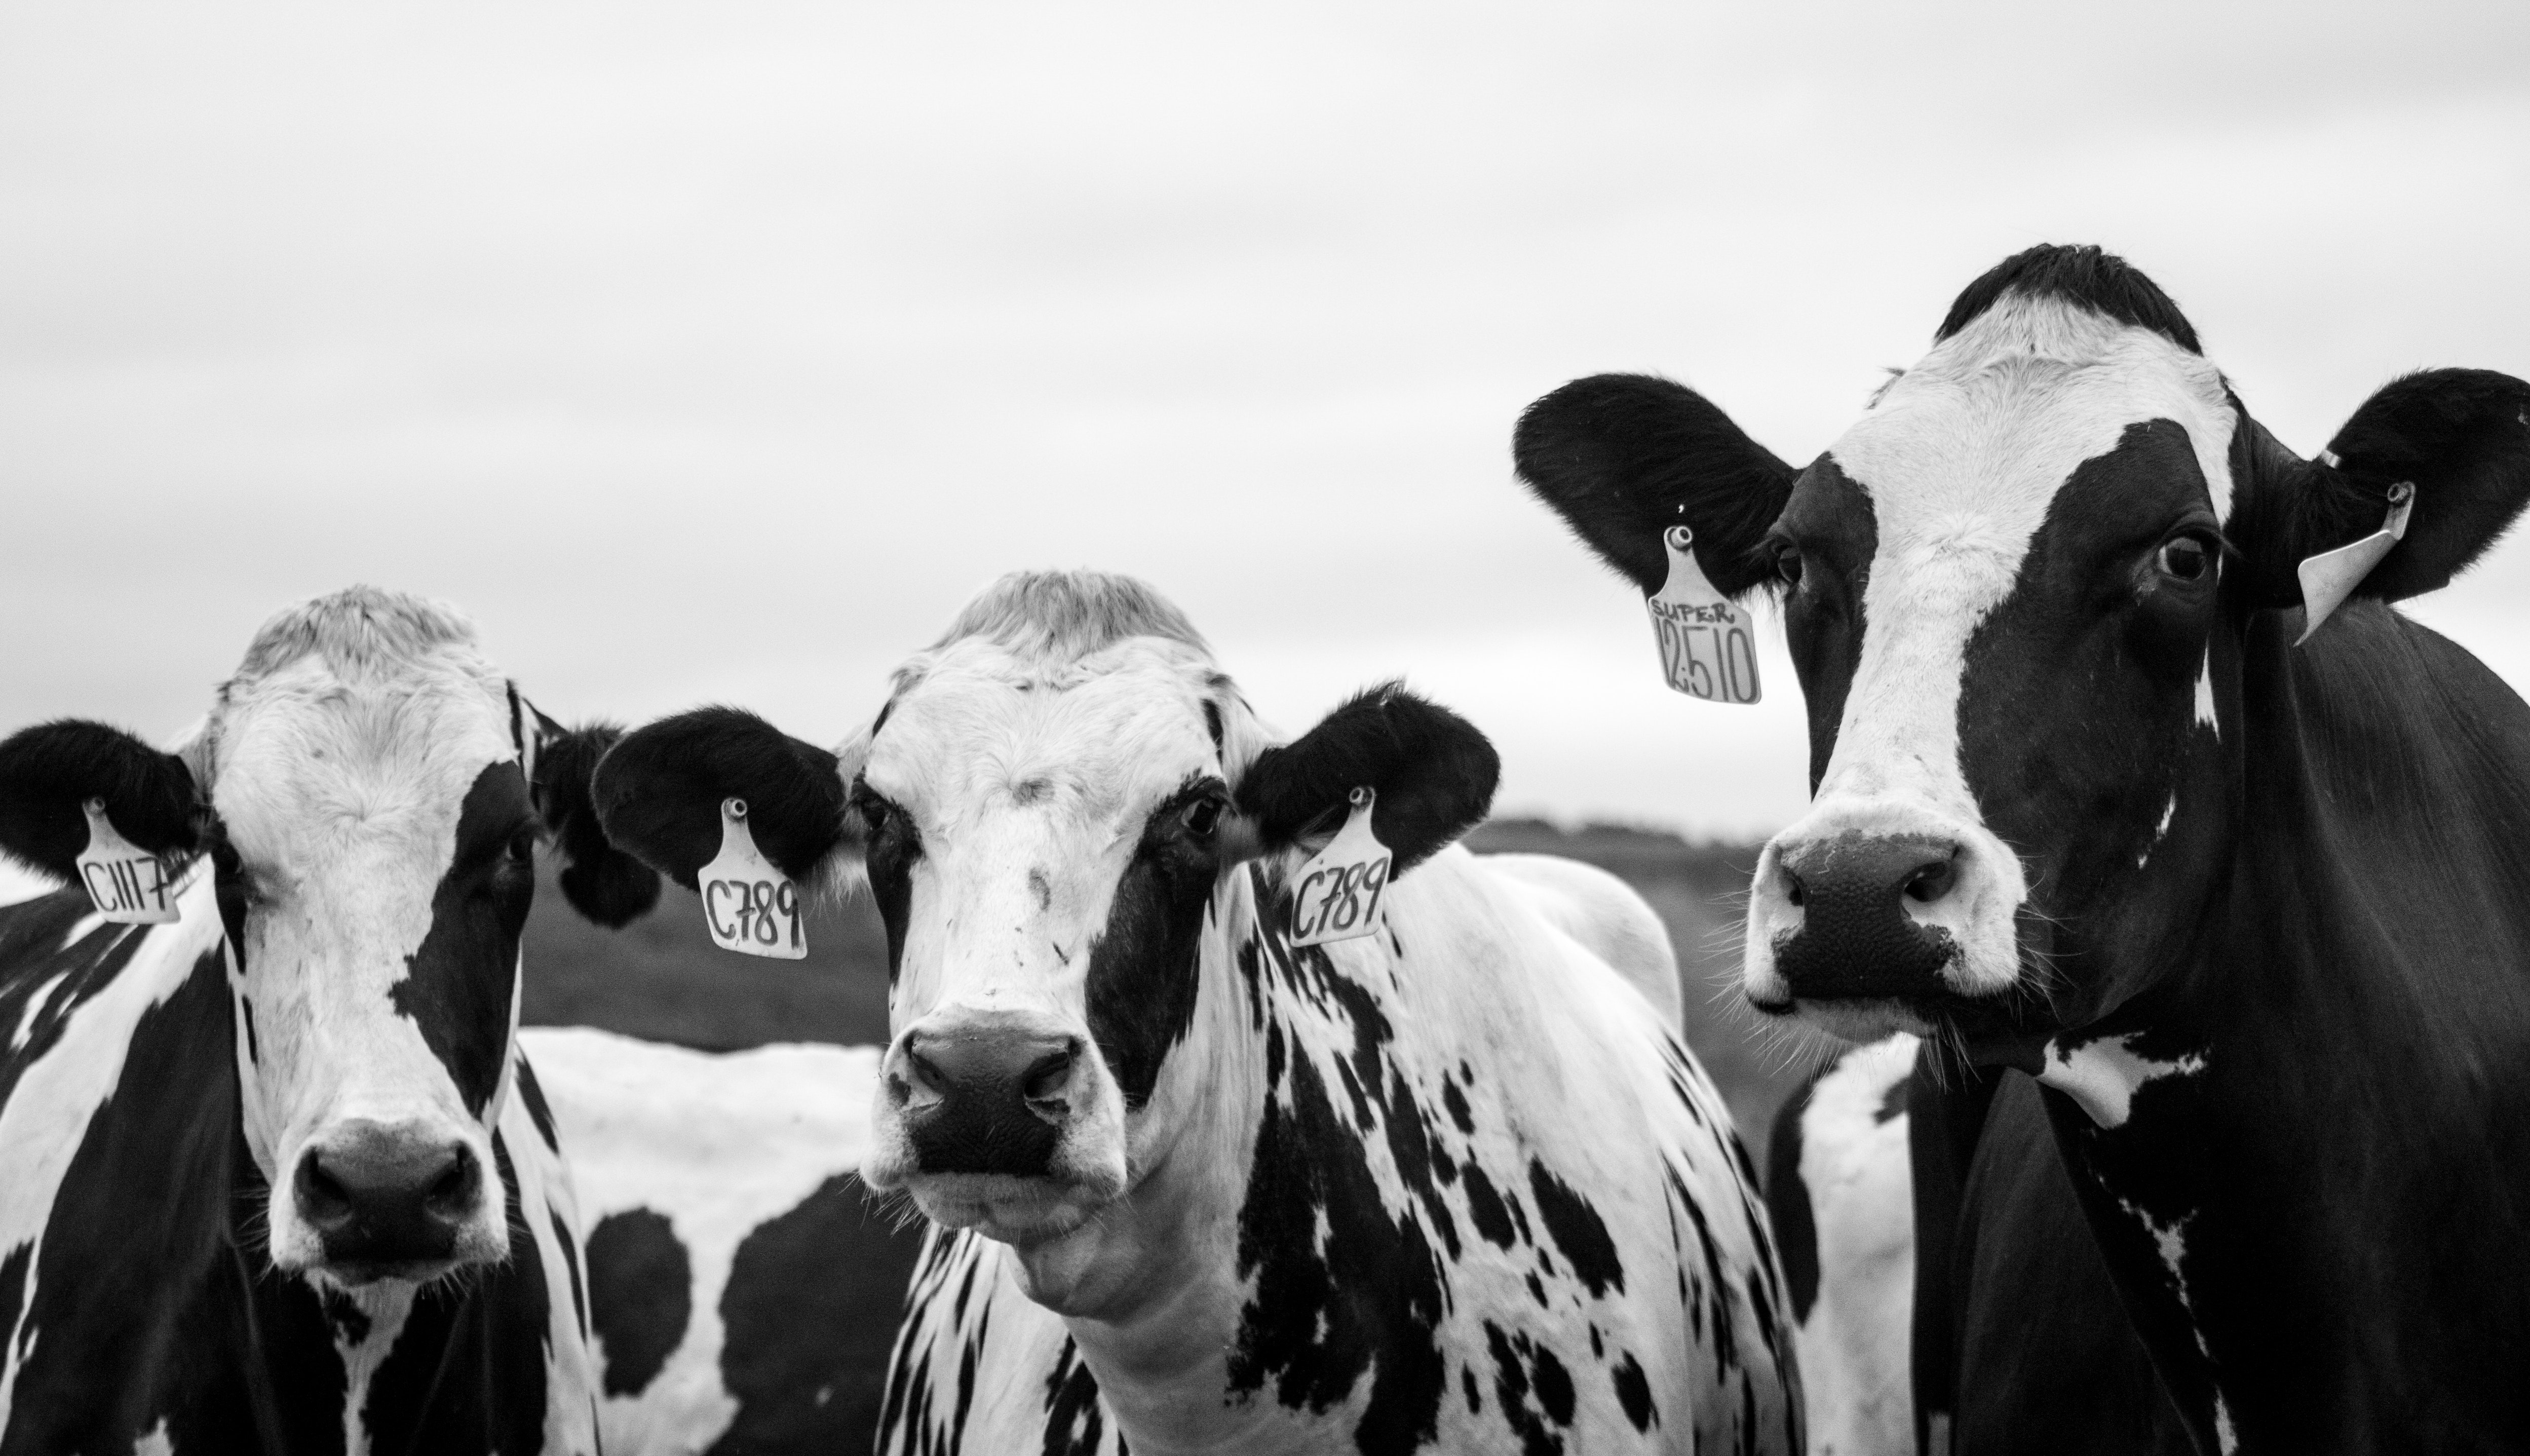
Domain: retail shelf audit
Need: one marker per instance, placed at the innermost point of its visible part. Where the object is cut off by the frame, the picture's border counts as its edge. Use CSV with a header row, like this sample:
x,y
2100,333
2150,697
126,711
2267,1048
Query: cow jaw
x,y
1895,904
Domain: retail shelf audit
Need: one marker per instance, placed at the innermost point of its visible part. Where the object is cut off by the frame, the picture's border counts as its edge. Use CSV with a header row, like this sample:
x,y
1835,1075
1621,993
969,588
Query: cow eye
x,y
2184,558
1202,816
1788,564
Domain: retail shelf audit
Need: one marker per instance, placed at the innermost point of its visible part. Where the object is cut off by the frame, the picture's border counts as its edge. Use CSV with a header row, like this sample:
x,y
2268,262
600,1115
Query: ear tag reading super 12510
x,y
1708,648
750,906
128,884
1338,892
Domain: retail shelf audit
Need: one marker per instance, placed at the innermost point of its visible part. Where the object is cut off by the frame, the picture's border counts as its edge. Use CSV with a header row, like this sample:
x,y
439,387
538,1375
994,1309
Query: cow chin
x,y
1023,1213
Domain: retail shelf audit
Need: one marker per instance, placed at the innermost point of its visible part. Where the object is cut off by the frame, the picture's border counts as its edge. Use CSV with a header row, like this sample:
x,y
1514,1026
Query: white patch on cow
x,y
2102,1076
48,1111
387,1306
717,1143
549,1194
1962,457
26,1032
1854,1345
2169,1242
20,883
2205,714
156,1441
2159,831
1604,915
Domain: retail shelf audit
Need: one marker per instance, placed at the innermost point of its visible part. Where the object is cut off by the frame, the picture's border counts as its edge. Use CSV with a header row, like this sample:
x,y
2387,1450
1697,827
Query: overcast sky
x,y
721,352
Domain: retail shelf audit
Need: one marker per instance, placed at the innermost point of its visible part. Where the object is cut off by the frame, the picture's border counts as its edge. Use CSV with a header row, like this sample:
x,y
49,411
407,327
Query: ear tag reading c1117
x,y
1707,645
2330,577
128,884
1338,892
748,906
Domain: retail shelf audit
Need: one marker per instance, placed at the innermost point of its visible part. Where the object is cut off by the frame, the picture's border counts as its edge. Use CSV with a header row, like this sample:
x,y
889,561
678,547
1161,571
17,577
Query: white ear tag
x,y
1340,888
2330,577
1707,645
128,885
750,906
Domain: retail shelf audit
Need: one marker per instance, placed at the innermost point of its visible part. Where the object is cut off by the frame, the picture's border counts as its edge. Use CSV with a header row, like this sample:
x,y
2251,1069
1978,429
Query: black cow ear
x,y
602,882
1624,457
2462,437
1433,772
48,773
659,790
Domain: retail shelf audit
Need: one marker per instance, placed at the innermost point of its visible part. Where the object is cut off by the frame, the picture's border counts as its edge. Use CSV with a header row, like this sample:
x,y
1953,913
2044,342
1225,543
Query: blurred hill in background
x,y
661,978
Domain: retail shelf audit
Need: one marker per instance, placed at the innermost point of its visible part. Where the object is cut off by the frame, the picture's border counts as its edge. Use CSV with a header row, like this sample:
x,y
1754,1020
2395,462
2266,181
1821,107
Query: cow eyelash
x,y
873,807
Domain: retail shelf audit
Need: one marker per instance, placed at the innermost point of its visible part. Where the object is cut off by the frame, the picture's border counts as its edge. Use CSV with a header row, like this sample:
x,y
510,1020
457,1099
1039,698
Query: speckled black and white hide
x,y
277,1178
743,1295
1455,1187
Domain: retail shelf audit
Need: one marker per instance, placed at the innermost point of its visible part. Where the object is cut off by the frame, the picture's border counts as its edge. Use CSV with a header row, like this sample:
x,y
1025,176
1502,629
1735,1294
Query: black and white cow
x,y
276,1177
743,1292
2253,913
1454,1187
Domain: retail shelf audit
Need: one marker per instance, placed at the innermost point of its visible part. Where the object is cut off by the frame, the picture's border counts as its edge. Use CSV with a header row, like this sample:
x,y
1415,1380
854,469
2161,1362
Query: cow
x,y
743,1292
1203,1183
2129,777
279,1178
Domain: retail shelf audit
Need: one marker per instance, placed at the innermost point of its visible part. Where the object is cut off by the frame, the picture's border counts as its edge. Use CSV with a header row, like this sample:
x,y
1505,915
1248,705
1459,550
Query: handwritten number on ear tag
x,y
128,884
750,906
1338,892
2330,577
1708,647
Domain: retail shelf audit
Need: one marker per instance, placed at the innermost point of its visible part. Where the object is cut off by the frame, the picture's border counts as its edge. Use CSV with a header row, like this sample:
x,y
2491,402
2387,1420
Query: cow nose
x,y
377,1196
985,1101
1857,937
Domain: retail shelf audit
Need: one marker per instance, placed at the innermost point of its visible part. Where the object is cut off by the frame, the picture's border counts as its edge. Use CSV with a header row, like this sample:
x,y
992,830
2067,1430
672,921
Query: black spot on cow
x,y
641,1284
1073,1421
539,1111
1522,1368
1485,1208
811,1310
245,1018
1467,1382
1456,1102
2081,274
1577,1230
347,1321
1633,1391
569,1248
1787,1201
456,986
1142,980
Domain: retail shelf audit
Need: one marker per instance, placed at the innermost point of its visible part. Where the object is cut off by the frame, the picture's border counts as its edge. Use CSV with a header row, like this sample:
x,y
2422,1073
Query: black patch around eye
x,y
457,983
891,846
1142,970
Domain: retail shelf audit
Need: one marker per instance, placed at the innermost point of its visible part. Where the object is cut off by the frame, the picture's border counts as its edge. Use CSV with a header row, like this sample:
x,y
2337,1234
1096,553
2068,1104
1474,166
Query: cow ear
x,y
602,882
1433,772
1624,457
658,792
2462,437
49,772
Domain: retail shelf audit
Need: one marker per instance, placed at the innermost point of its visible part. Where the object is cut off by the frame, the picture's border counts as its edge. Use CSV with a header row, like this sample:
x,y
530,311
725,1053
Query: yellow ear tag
x,y
128,885
1707,645
750,906
1340,890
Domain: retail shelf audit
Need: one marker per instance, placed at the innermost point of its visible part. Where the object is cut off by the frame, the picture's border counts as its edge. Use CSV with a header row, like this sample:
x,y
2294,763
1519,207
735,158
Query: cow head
x,y
369,791
2015,593
1044,812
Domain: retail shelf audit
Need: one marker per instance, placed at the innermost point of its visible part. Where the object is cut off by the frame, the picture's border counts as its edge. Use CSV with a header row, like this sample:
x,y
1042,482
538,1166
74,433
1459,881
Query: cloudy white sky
x,y
720,352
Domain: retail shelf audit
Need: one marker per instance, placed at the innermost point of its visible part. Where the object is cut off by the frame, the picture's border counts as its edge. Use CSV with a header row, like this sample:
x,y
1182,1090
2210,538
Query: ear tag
x,y
128,885
1341,887
1707,645
2330,577
750,906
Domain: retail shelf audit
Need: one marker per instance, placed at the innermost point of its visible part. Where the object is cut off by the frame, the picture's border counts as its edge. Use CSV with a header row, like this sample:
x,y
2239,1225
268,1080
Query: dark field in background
x,y
662,979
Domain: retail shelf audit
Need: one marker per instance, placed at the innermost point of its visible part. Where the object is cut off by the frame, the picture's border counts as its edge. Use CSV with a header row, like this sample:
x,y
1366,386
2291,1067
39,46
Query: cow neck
x,y
1160,1291
2350,1026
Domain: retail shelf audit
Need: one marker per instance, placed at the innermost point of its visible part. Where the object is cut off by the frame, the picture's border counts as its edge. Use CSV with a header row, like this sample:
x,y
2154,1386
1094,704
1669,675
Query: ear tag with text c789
x,y
750,906
2330,577
128,884
1338,892
1707,645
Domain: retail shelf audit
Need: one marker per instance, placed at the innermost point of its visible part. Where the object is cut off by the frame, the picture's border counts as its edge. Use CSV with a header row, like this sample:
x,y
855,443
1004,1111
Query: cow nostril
x,y
1046,1078
452,1194
921,1075
1932,881
321,1196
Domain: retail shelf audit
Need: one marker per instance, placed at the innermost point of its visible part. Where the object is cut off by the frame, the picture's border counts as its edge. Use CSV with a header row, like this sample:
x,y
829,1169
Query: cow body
x,y
1454,1185
278,1178
2249,908
743,1292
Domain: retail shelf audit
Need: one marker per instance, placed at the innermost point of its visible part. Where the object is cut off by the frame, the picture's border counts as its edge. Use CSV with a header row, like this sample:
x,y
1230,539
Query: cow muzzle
x,y
370,1200
1000,1122
1863,926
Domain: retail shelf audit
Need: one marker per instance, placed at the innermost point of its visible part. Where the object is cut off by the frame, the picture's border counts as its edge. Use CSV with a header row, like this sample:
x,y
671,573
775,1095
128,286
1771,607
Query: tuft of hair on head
x,y
1069,614
354,632
2082,274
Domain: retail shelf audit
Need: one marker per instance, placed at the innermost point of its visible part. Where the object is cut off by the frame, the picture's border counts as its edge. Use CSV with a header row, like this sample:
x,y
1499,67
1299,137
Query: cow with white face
x,y
1450,1186
2128,777
276,1169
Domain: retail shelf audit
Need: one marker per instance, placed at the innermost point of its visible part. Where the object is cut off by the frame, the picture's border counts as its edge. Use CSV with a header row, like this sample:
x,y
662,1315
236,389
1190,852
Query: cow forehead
x,y
306,762
1963,455
1091,741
